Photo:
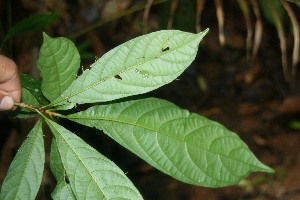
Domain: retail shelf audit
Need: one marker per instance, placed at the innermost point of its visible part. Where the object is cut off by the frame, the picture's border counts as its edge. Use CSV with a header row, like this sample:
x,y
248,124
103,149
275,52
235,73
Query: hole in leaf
x,y
165,49
118,77
67,179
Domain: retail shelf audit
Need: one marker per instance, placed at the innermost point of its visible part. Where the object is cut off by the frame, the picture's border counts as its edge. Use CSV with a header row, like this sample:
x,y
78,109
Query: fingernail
x,y
6,103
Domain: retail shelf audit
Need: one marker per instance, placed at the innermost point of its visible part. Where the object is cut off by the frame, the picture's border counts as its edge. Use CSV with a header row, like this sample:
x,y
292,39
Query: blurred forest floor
x,y
252,99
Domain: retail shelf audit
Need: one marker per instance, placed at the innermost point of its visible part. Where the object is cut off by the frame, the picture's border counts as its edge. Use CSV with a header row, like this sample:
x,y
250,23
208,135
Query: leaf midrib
x,y
165,134
27,161
79,158
56,65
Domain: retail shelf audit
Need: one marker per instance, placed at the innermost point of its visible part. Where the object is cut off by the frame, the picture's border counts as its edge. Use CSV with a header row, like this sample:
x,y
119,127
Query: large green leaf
x,y
137,66
24,175
58,63
91,175
184,145
63,190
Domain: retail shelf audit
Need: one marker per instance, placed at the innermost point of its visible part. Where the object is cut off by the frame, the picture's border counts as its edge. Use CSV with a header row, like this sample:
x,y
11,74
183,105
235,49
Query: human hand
x,y
10,86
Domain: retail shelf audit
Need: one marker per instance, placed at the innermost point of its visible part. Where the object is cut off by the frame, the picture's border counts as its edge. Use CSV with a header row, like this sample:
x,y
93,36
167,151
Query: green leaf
x,y
24,175
31,95
62,190
135,67
184,145
58,63
23,113
31,23
270,6
91,175
33,85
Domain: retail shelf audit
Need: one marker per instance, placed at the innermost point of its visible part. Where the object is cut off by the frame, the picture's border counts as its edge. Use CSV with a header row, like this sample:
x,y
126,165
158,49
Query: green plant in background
x,y
26,25
182,144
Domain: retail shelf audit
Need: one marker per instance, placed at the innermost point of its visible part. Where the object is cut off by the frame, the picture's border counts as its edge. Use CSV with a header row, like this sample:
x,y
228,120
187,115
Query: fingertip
x,y
7,103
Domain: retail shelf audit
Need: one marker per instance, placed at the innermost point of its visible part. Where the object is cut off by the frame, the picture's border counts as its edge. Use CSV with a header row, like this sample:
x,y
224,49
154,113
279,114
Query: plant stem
x,y
38,110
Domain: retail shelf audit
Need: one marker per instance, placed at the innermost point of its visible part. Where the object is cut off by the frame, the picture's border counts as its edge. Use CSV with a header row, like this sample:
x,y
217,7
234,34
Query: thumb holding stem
x,y
10,86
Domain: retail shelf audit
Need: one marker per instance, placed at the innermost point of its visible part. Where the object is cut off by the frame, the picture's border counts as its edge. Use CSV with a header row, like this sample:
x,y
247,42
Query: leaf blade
x,y
58,63
137,66
91,175
184,145
33,85
23,181
62,190
31,95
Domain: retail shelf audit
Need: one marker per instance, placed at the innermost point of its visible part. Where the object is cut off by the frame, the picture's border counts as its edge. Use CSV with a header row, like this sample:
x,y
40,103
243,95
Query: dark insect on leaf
x,y
118,77
165,49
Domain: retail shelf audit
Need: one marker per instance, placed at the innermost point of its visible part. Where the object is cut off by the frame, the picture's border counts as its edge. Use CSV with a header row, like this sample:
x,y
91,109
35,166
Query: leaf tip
x,y
45,36
203,33
265,168
269,169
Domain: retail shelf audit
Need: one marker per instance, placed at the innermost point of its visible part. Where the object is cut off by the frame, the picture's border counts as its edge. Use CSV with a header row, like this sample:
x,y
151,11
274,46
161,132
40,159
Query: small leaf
x,y
31,23
23,113
31,95
58,63
91,175
185,145
24,175
144,63
33,85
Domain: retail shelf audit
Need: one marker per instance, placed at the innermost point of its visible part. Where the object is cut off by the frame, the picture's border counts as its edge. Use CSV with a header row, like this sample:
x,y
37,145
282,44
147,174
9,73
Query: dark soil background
x,y
250,98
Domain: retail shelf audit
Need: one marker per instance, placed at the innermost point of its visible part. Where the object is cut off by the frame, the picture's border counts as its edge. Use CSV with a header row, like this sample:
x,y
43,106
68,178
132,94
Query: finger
x,y
9,78
6,103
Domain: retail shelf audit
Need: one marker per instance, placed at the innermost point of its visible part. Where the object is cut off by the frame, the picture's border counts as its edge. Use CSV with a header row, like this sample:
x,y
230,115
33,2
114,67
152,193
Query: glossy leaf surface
x,y
184,145
91,175
24,175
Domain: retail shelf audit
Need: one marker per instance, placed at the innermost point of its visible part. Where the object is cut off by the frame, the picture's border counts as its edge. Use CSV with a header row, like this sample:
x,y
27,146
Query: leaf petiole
x,y
38,110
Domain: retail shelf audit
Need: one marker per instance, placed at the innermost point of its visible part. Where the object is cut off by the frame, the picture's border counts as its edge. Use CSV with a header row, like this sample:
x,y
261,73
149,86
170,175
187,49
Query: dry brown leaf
x,y
290,105
174,4
246,12
258,30
282,40
114,7
199,8
146,14
296,33
220,17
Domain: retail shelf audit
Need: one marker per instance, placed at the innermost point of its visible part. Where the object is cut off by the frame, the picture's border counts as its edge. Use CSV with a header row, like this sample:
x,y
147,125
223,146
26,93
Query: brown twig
x,y
29,107
199,8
